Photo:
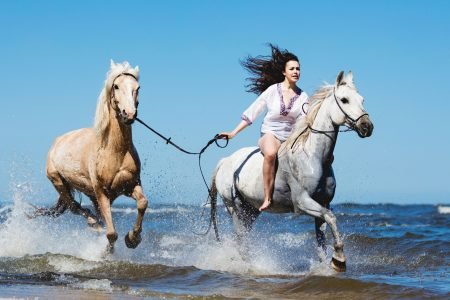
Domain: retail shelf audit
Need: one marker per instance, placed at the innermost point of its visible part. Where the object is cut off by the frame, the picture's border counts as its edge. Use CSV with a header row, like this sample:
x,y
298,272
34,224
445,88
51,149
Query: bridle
x,y
123,74
113,95
350,123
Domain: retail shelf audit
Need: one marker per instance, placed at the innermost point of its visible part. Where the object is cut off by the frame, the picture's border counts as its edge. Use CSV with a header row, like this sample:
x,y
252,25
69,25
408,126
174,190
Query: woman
x,y
275,81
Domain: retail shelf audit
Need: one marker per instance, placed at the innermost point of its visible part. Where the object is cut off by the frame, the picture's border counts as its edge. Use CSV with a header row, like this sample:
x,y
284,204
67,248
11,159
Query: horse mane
x,y
302,129
102,118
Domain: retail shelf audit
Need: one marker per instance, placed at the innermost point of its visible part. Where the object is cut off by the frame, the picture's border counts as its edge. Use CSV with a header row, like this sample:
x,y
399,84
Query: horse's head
x,y
348,106
125,93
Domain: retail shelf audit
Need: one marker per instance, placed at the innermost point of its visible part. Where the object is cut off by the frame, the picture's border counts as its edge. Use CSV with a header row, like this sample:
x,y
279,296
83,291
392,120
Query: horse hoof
x,y
132,243
338,266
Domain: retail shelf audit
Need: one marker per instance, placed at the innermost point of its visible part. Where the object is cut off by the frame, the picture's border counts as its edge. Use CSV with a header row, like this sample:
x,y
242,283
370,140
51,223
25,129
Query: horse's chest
x,y
118,176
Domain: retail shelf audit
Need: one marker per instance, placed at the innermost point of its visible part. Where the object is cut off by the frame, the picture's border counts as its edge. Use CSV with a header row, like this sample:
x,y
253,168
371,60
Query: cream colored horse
x,y
102,162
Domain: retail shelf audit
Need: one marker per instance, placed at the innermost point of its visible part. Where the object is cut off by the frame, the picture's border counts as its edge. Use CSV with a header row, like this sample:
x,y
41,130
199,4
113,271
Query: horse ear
x,y
136,69
349,77
112,64
339,78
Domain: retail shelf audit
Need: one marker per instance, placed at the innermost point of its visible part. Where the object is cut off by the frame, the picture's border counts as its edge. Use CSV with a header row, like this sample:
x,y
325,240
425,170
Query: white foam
x,y
94,284
225,257
129,210
228,256
444,209
125,211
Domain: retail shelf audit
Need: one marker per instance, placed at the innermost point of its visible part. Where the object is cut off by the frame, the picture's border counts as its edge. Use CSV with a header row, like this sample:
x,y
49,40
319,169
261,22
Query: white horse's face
x,y
348,106
125,97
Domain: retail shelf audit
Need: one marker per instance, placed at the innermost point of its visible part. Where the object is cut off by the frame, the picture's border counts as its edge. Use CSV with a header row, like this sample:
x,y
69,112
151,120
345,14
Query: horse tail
x,y
213,198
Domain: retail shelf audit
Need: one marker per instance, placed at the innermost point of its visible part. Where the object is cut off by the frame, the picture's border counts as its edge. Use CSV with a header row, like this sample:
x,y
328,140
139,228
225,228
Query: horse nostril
x,y
366,129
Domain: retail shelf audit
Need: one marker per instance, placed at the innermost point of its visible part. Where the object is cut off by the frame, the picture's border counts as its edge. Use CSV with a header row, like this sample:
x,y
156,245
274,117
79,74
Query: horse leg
x,y
93,221
65,200
311,207
321,226
133,238
105,208
63,190
324,197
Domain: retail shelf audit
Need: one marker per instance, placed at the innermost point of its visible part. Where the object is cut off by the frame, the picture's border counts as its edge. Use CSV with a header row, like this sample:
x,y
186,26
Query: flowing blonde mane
x,y
102,118
301,131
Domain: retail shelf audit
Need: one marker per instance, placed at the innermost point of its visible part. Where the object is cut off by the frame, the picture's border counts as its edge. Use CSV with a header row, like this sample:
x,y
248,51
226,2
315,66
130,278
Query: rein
x,y
168,141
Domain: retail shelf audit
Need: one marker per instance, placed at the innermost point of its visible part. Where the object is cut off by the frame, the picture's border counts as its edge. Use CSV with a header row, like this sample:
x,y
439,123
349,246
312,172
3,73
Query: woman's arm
x,y
229,135
249,115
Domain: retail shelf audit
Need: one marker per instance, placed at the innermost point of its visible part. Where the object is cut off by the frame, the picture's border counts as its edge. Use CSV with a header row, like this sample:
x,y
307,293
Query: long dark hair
x,y
267,70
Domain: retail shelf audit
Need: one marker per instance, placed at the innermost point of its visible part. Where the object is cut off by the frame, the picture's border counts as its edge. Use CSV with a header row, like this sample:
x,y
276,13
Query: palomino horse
x,y
305,180
102,162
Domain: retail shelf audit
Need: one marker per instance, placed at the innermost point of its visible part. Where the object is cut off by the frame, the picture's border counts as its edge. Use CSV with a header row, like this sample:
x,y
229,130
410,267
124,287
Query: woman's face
x,y
292,71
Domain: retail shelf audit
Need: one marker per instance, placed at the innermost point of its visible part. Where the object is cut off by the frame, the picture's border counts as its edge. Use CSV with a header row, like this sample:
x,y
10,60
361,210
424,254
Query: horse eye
x,y
344,100
116,87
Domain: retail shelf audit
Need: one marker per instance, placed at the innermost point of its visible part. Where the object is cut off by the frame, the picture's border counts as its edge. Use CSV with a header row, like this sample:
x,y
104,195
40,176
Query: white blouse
x,y
279,119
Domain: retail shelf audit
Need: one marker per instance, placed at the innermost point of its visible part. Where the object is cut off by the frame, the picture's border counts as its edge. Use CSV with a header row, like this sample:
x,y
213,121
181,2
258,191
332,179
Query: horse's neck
x,y
322,144
118,136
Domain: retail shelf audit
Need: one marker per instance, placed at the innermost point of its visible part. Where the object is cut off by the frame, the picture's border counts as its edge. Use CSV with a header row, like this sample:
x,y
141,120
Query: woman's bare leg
x,y
269,146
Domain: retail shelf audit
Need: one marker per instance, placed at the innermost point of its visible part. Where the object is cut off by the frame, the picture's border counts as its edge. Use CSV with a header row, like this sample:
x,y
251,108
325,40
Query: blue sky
x,y
55,55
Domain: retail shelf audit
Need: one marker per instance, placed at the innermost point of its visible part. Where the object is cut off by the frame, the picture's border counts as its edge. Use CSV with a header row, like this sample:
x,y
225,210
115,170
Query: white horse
x,y
102,162
305,180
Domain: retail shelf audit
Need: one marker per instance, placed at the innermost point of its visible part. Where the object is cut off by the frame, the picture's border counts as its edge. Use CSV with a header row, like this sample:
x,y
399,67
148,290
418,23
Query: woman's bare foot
x,y
265,204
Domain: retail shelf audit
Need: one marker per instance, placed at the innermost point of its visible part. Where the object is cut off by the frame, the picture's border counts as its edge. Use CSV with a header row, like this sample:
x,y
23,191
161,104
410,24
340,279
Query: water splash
x,y
20,235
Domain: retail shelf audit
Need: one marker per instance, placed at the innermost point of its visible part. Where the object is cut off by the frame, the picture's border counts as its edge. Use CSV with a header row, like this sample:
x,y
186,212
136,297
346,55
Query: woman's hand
x,y
226,135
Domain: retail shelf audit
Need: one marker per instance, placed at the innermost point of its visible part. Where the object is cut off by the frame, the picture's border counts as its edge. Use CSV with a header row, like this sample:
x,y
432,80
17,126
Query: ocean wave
x,y
444,210
160,280
130,210
349,214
